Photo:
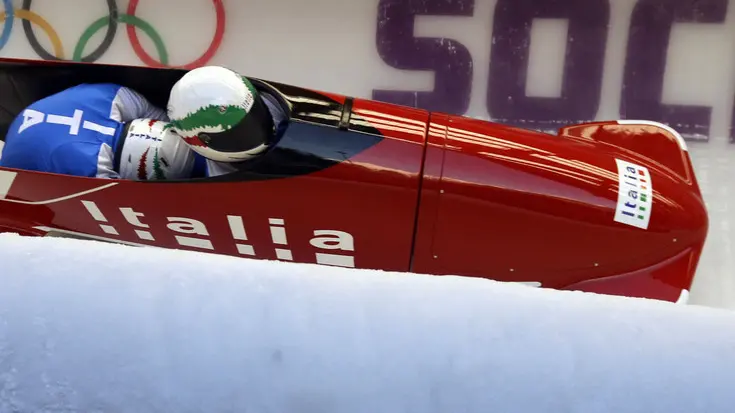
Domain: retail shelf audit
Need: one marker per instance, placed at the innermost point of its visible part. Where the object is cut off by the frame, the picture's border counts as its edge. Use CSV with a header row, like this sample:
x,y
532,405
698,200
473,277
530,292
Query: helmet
x,y
149,150
220,114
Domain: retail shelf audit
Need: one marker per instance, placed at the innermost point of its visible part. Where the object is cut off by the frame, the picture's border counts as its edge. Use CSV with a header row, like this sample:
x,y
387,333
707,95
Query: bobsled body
x,y
608,207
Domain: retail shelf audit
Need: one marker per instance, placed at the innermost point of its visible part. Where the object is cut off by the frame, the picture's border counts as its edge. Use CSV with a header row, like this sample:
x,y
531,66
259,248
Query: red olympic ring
x,y
201,61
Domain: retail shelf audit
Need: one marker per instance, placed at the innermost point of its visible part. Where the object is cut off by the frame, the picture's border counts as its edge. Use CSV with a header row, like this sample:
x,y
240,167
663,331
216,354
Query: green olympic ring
x,y
126,19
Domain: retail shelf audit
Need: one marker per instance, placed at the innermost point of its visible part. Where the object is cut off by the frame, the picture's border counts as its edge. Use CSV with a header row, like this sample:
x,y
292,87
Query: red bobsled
x,y
606,207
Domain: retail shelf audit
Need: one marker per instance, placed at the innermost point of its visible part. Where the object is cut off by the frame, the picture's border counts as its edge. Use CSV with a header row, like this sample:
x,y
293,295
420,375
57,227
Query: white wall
x,y
336,45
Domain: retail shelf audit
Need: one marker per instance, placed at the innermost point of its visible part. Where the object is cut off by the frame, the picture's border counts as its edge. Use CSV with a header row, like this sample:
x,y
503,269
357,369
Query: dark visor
x,y
254,130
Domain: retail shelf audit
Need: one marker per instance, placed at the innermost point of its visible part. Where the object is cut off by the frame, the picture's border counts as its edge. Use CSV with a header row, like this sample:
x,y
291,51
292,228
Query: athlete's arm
x,y
176,159
151,152
129,105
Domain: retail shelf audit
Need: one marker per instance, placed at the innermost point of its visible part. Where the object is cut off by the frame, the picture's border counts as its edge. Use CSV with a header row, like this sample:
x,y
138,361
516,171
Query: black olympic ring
x,y
92,57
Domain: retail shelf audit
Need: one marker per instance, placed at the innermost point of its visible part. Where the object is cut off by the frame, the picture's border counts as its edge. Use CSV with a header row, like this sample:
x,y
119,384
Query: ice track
x,y
93,327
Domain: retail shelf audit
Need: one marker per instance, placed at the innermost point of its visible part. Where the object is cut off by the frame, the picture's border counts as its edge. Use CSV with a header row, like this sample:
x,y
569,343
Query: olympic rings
x,y
31,17
106,42
112,21
131,21
202,60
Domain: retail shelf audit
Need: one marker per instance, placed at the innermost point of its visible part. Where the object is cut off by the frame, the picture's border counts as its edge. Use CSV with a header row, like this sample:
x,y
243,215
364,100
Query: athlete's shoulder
x,y
83,92
99,86
96,87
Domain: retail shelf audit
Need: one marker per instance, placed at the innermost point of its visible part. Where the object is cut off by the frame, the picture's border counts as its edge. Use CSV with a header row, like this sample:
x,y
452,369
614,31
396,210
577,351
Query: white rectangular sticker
x,y
635,195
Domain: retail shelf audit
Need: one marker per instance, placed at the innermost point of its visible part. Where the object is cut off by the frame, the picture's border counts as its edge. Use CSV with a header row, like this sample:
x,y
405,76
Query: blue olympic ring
x,y
9,19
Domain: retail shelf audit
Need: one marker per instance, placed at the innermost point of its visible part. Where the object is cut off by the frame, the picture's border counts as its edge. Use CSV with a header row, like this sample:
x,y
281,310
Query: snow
x,y
94,327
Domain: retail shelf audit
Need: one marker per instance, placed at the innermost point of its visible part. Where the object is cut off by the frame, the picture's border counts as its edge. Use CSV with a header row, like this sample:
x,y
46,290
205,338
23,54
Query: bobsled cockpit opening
x,y
312,129
275,96
279,101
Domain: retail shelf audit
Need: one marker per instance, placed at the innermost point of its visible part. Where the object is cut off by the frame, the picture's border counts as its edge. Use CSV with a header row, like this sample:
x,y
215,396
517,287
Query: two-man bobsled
x,y
607,207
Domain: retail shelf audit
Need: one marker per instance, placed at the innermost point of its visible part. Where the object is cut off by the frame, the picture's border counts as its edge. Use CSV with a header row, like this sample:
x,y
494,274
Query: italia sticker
x,y
635,195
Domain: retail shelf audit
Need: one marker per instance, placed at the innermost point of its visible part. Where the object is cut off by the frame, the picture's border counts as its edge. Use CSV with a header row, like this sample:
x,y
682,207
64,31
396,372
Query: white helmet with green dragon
x,y
220,114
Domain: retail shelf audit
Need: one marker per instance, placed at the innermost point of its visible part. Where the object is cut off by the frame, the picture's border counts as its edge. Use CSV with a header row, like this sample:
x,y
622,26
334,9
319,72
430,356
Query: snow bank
x,y
92,327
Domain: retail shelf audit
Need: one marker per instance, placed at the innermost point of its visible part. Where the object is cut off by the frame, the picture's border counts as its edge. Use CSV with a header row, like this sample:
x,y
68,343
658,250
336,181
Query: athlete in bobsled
x,y
223,118
96,130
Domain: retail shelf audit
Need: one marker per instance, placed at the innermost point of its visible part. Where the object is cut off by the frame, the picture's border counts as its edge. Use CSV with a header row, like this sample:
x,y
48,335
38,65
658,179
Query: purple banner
x,y
449,59
645,62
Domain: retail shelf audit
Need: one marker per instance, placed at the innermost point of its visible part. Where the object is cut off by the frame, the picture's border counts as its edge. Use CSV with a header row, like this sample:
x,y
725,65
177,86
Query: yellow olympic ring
x,y
43,24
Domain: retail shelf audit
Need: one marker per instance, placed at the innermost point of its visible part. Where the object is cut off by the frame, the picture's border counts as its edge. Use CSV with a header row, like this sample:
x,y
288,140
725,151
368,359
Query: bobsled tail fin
x,y
656,141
